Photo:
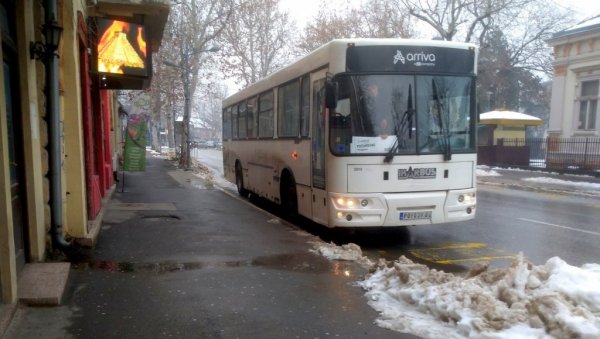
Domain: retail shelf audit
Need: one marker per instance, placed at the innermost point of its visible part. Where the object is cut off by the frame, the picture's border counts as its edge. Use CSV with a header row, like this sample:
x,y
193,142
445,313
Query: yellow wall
x,y
8,275
36,165
508,132
75,208
31,83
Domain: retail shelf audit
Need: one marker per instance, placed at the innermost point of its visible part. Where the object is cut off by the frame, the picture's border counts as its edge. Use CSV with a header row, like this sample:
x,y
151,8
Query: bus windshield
x,y
402,114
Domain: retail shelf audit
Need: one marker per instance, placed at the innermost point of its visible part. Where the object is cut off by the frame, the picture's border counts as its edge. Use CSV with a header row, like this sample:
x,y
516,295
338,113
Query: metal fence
x,y
567,154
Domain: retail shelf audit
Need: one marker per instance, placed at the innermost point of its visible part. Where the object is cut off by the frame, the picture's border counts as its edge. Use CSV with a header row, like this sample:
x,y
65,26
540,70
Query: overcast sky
x,y
303,11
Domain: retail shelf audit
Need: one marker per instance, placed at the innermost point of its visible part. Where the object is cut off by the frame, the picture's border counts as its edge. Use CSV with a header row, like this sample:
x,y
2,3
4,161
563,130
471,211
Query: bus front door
x,y
318,145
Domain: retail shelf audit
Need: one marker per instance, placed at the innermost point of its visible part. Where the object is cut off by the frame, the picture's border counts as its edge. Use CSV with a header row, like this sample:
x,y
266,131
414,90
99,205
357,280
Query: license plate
x,y
415,215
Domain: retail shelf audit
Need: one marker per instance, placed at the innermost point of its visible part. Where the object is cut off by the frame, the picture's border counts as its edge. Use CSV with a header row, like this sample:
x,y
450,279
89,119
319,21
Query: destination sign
x,y
410,59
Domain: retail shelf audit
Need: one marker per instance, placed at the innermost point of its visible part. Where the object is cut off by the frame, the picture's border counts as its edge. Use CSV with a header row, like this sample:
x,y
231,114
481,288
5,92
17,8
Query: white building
x,y
574,110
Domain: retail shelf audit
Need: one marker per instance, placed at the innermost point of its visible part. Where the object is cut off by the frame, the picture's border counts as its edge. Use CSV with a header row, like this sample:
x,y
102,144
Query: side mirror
x,y
331,94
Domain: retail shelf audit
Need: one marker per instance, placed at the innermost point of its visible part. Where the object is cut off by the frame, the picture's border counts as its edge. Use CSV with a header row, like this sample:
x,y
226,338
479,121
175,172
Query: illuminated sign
x,y
122,55
402,58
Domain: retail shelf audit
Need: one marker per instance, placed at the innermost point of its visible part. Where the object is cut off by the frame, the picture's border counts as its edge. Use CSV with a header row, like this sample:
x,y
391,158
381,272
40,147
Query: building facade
x,y
574,110
60,124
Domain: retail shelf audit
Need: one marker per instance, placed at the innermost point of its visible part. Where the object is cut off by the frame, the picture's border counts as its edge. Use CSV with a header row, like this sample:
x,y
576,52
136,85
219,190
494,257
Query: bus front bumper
x,y
401,209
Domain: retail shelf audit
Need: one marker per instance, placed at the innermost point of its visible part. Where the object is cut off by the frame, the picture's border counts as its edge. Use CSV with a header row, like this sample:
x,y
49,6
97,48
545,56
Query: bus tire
x,y
289,200
239,181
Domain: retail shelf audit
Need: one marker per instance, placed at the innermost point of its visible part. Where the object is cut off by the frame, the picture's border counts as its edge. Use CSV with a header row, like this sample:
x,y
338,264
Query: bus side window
x,y
288,109
234,122
242,122
265,115
304,106
252,117
227,123
341,127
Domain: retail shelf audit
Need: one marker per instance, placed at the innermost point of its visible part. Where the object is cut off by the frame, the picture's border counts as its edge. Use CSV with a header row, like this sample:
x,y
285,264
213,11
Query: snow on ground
x,y
156,154
554,300
349,252
547,180
481,172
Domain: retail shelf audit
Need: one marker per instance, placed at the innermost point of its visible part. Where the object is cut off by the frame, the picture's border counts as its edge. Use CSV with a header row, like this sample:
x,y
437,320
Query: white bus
x,y
361,133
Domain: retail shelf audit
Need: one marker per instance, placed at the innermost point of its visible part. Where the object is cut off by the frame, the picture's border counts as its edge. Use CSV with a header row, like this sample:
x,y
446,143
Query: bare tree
x,y
526,24
193,26
257,41
382,19
210,108
326,26
450,18
372,19
527,31
166,94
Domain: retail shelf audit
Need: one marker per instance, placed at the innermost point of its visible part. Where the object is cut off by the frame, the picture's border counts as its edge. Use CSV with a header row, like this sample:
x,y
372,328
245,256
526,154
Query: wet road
x,y
179,259
508,222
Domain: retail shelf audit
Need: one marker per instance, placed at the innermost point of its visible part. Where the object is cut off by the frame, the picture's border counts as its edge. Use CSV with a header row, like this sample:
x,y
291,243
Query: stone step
x,y
43,284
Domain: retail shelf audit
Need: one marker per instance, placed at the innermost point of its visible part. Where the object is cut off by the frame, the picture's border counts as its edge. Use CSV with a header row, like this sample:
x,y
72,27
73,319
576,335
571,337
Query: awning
x,y
509,118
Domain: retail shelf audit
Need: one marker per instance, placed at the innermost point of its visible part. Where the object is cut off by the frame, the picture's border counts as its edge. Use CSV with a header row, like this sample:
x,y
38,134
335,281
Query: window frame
x,y
585,124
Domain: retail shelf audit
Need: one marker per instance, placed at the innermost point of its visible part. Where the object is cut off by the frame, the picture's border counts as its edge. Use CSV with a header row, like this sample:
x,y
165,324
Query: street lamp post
x,y
185,69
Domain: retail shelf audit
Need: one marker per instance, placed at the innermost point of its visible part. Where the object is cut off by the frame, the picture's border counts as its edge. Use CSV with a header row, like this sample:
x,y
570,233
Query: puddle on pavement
x,y
296,262
167,218
299,262
130,267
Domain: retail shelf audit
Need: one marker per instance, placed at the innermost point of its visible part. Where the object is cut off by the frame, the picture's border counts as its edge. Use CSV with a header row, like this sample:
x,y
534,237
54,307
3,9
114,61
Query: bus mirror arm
x,y
331,94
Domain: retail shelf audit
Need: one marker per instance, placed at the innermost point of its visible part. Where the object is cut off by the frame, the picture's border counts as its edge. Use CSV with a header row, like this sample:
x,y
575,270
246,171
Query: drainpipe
x,y
54,126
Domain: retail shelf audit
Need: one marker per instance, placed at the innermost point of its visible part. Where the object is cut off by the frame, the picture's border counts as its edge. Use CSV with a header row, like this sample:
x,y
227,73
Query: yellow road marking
x,y
460,252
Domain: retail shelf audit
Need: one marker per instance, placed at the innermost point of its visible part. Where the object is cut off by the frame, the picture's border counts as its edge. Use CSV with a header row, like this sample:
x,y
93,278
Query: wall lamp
x,y
52,33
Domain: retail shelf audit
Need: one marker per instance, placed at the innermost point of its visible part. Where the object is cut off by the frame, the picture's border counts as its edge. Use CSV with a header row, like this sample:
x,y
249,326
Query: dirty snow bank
x,y
481,172
547,180
554,300
348,252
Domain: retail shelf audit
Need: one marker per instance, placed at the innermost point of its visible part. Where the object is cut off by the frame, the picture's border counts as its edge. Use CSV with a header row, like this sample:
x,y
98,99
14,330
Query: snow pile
x,y
155,154
483,173
563,182
348,252
554,300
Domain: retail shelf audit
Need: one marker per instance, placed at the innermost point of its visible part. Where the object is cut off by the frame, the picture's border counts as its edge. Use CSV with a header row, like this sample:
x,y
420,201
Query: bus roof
x,y
322,56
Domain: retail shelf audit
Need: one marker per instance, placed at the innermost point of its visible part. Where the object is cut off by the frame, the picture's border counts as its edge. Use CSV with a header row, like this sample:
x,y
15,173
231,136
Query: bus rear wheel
x,y
289,200
239,181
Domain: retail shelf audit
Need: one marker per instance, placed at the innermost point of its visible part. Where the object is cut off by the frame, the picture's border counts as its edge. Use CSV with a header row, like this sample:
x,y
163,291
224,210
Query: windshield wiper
x,y
443,126
407,118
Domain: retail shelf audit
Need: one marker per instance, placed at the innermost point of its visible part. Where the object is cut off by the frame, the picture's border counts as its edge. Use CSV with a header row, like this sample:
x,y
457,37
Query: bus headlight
x,y
346,202
468,198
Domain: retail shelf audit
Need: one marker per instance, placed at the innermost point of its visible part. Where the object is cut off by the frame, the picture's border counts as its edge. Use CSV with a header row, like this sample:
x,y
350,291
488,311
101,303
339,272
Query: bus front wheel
x,y
239,181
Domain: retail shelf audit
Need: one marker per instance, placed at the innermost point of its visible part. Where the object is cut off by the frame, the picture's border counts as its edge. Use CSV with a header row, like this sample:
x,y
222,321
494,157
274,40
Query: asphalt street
x,y
178,258
181,255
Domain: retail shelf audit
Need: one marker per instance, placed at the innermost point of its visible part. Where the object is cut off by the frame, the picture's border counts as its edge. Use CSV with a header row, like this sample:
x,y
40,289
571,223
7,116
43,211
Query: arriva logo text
x,y
419,59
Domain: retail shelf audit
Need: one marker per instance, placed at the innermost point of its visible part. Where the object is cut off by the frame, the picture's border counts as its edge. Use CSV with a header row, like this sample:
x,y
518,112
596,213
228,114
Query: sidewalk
x,y
580,185
178,257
